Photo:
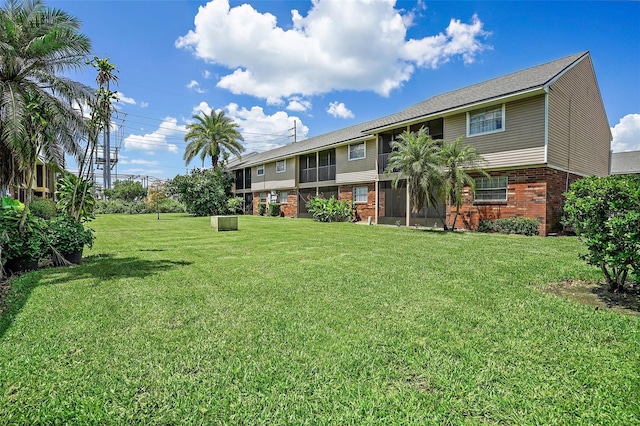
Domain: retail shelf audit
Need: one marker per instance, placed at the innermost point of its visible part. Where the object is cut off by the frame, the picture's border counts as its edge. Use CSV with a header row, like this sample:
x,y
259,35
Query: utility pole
x,y
295,132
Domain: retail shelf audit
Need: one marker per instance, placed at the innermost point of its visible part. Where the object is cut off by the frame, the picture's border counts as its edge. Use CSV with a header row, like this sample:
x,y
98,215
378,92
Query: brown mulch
x,y
597,294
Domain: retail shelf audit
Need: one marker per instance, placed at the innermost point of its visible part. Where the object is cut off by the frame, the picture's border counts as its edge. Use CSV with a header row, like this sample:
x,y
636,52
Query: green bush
x,y
605,214
203,192
262,209
43,207
21,247
330,210
235,205
274,209
167,205
510,225
68,235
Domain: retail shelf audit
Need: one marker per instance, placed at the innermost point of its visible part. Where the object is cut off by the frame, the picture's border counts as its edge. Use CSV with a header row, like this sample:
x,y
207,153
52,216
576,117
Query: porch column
x,y
408,205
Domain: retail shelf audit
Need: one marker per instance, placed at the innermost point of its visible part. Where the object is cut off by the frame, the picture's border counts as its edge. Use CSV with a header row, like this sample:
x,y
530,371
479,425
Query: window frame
x,y
284,169
364,151
283,197
485,111
493,188
258,168
262,197
366,194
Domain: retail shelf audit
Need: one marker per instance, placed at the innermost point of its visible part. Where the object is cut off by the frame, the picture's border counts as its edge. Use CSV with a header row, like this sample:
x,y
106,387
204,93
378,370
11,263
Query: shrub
x,y
235,205
262,209
330,210
169,205
274,209
68,235
605,214
43,207
203,192
21,247
510,225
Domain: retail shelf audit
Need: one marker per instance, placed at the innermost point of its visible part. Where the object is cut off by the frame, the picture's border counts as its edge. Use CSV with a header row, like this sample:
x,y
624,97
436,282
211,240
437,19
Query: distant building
x,y
538,129
43,183
624,163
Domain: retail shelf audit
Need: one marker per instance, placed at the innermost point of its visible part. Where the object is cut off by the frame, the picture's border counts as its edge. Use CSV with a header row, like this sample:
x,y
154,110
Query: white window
x,y
357,151
491,188
360,194
281,166
484,121
263,197
260,171
284,196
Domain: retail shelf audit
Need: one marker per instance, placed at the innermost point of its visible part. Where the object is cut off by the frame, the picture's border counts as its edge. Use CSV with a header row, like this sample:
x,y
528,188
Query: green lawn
x,y
296,322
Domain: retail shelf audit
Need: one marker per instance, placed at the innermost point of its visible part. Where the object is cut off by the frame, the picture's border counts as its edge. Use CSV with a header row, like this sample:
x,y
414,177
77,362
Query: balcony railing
x,y
308,175
327,173
383,162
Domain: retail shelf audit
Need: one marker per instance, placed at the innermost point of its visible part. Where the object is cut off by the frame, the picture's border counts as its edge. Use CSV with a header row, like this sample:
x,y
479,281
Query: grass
x,y
296,322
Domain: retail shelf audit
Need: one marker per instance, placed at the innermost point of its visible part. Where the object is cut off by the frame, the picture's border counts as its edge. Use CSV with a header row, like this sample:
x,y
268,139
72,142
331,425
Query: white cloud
x,y
626,134
122,99
338,45
144,104
158,139
194,85
140,162
261,131
339,110
298,104
206,74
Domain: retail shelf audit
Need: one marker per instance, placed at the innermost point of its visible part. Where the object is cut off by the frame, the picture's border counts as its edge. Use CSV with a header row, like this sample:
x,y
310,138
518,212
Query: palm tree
x,y
38,45
210,136
415,157
457,162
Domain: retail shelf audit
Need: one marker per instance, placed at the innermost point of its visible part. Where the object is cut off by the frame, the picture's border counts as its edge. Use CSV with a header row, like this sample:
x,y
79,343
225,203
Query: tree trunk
x,y
27,199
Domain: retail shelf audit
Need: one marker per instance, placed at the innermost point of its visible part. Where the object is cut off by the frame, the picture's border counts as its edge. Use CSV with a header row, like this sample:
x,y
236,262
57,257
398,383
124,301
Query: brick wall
x,y
290,209
534,193
362,210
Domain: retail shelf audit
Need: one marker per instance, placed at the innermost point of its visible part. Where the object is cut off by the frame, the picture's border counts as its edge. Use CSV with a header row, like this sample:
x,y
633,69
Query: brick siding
x,y
534,193
362,210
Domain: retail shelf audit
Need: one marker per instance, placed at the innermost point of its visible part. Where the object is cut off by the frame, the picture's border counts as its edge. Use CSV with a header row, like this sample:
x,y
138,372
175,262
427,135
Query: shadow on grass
x,y
597,294
98,268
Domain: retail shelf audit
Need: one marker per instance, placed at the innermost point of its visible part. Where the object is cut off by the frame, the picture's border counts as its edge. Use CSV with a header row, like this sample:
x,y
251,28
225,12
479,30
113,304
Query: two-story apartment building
x,y
43,183
538,129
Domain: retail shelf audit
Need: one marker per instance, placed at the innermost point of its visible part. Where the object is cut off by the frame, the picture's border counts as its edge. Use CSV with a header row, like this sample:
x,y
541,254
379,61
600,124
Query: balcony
x,y
383,162
308,175
327,173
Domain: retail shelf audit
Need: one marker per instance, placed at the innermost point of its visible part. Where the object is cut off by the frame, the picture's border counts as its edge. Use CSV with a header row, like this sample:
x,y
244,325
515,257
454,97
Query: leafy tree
x,y
211,136
457,161
38,47
415,157
126,190
203,192
605,214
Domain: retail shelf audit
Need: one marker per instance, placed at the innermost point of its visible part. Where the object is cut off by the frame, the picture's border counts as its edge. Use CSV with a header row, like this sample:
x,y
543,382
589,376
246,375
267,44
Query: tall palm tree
x,y
38,45
415,157
458,161
210,135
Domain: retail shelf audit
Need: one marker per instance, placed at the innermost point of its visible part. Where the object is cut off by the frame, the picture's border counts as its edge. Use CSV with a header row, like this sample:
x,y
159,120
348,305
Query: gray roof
x,y
518,82
625,162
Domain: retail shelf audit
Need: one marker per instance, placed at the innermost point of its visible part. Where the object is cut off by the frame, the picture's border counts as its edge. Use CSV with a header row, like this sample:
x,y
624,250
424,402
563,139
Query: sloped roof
x,y
518,82
625,162
521,81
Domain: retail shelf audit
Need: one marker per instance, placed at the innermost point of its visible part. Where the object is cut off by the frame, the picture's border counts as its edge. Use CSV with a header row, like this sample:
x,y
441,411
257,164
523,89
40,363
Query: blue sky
x,y
328,64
